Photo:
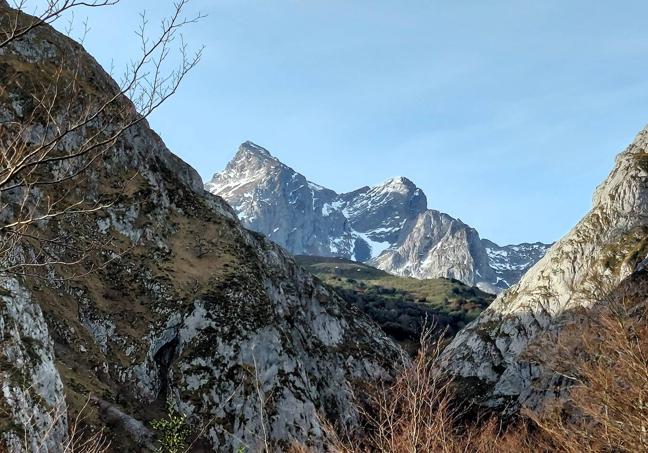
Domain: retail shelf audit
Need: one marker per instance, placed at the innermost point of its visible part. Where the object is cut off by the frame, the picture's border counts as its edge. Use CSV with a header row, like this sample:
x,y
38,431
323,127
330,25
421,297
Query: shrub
x,y
173,431
603,353
605,356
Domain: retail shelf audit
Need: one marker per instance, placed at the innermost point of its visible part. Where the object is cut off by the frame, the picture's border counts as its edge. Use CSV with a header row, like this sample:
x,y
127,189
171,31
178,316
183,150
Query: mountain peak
x,y
251,164
398,181
397,184
390,219
250,157
251,149
254,148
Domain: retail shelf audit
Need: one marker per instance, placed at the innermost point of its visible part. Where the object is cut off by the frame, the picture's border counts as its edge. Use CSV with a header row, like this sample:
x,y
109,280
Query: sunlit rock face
x,y
606,246
180,302
388,225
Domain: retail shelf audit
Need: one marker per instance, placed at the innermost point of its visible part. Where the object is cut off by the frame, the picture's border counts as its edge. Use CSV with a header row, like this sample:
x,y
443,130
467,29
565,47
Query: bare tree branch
x,y
53,11
62,125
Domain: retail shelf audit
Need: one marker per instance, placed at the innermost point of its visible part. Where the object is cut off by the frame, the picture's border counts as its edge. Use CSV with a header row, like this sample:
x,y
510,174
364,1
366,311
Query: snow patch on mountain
x,y
388,224
376,247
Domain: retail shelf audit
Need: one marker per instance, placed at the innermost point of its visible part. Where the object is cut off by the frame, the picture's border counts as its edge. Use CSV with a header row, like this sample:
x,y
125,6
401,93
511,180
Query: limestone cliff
x,y
606,246
167,297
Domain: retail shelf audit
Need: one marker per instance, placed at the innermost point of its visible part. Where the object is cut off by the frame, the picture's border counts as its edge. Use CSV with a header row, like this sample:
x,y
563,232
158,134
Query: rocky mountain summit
x,y
493,355
388,225
164,298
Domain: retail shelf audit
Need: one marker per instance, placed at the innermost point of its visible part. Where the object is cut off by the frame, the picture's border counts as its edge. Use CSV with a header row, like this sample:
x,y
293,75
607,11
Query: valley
x,y
402,306
142,310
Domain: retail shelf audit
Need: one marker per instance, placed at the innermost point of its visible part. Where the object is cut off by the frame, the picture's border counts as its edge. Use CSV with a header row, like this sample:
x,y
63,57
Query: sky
x,y
507,113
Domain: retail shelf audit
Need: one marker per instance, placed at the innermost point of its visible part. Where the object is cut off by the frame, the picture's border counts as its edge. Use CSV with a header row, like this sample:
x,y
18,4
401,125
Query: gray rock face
x,y
439,244
32,403
381,212
388,225
286,207
609,243
512,261
184,305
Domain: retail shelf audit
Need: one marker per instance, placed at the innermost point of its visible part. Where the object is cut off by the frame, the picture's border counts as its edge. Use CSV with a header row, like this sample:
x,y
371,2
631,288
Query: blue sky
x,y
507,113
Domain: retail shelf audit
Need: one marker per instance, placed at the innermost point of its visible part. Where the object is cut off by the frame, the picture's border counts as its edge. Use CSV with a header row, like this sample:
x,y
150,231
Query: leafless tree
x,y
15,27
54,128
603,354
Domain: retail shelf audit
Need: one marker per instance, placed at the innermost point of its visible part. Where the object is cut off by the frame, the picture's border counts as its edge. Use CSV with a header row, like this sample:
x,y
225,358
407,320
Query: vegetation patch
x,y
402,306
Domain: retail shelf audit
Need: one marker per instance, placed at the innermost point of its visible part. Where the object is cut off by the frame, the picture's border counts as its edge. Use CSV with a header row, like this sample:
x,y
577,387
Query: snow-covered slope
x,y
388,225
512,261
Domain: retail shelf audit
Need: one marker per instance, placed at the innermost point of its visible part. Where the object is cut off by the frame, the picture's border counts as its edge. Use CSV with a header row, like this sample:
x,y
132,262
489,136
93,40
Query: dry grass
x,y
80,437
418,413
606,356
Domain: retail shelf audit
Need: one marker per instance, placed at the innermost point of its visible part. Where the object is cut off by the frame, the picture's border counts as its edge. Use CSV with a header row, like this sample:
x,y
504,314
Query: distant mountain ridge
x,y
388,225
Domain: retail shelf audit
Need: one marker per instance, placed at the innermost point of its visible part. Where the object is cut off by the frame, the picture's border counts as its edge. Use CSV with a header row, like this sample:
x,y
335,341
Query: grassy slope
x,y
400,305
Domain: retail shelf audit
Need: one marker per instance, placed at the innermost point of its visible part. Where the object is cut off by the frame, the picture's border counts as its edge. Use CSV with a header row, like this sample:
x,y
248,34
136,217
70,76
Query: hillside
x,y
402,306
140,312
158,298
608,245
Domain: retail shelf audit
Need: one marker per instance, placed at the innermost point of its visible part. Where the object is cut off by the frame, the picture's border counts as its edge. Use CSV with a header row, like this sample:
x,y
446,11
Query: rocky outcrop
x,y
167,297
32,404
388,225
439,244
580,270
271,198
